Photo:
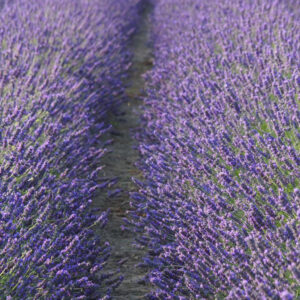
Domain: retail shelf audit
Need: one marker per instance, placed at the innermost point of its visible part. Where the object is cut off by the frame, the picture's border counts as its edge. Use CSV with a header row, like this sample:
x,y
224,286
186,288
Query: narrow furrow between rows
x,y
120,163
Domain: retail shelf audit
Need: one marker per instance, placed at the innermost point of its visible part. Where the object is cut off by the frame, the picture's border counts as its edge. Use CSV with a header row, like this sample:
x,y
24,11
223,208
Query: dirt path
x,y
121,163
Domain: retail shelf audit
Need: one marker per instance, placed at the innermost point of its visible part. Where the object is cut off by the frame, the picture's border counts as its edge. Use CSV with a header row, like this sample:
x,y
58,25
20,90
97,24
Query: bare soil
x,y
120,162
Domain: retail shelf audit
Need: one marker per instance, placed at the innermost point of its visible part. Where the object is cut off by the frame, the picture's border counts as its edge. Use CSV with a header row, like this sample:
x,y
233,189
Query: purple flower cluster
x,y
219,209
61,67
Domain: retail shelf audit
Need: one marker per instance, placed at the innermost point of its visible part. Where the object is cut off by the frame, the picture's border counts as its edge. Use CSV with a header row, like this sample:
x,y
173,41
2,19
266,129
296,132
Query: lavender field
x,y
149,149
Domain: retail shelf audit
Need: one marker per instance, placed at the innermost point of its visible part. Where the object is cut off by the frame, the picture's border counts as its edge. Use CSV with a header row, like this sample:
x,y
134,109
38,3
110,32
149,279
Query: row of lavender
x,y
219,208
61,65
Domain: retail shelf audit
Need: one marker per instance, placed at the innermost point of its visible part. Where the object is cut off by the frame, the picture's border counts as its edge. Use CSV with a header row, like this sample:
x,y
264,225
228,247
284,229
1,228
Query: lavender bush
x,y
219,208
61,66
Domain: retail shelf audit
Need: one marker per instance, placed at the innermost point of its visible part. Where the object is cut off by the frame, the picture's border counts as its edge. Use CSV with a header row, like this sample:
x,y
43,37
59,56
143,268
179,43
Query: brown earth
x,y
120,162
